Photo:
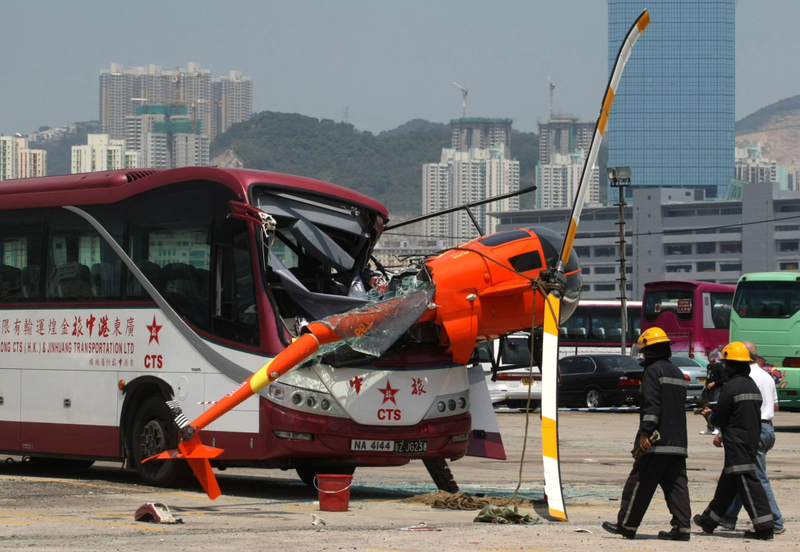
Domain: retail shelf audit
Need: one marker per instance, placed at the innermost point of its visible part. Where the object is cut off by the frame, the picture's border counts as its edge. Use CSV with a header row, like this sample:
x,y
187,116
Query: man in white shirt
x,y
769,404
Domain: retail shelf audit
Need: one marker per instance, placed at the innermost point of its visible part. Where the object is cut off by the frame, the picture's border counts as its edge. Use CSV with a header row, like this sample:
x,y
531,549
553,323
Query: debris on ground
x,y
421,527
155,512
318,522
509,514
465,501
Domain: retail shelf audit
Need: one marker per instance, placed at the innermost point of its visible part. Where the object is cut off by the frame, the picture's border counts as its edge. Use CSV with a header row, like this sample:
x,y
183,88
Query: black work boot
x,y
618,530
675,534
763,534
703,524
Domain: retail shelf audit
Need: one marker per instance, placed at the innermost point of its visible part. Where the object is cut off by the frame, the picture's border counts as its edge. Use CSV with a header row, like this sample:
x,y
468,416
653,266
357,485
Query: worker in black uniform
x,y
738,415
663,410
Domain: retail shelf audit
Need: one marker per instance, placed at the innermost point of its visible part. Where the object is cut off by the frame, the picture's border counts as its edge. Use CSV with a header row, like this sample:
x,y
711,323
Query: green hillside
x,y
756,122
387,167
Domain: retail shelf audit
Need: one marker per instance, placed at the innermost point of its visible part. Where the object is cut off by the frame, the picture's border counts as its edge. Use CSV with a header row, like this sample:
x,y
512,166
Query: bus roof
x,y
686,284
781,276
113,186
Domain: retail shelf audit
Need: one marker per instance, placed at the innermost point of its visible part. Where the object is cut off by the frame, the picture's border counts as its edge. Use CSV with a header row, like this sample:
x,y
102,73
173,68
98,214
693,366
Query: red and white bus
x,y
695,315
92,346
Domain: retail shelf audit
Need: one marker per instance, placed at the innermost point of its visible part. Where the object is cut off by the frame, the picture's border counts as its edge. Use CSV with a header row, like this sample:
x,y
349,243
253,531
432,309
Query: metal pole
x,y
622,275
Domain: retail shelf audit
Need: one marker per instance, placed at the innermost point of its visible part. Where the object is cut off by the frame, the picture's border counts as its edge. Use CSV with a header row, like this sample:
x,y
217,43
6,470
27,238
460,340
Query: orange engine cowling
x,y
479,298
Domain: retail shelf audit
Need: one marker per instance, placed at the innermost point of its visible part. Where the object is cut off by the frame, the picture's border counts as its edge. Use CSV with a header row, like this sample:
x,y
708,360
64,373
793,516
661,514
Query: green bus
x,y
766,311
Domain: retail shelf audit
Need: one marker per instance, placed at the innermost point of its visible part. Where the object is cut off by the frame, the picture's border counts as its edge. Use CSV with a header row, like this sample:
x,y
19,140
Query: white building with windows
x,y
102,154
752,166
557,182
464,177
18,160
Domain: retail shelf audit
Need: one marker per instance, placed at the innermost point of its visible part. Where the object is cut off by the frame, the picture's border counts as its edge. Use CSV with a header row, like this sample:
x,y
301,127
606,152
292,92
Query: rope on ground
x,y
464,501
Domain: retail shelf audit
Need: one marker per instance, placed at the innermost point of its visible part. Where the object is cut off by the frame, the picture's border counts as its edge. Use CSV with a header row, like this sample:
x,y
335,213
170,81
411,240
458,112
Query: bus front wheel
x,y
154,431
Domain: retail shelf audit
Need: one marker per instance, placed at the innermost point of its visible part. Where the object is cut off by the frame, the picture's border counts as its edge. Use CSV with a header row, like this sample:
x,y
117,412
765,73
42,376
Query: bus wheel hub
x,y
153,438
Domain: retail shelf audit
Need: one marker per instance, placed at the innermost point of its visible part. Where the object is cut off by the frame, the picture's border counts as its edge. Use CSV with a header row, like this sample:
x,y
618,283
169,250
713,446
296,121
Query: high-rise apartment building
x,y
463,177
17,160
564,136
234,95
752,166
8,157
31,163
123,90
480,133
101,153
672,120
557,182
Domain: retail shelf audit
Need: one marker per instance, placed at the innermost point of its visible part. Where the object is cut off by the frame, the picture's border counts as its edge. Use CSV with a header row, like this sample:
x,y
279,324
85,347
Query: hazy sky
x,y
388,62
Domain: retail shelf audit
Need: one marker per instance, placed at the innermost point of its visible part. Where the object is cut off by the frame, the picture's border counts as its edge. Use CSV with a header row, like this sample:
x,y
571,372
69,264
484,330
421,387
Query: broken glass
x,y
375,327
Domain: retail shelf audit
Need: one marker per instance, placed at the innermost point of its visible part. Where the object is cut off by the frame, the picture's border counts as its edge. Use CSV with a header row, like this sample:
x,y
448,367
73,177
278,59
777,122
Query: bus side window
x,y
20,259
80,264
170,233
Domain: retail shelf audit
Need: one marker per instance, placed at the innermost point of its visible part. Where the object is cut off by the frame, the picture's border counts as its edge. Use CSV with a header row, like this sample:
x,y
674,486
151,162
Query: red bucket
x,y
334,492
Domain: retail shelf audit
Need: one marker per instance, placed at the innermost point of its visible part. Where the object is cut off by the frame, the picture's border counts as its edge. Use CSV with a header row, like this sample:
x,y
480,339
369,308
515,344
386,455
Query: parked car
x,y
509,383
599,380
695,375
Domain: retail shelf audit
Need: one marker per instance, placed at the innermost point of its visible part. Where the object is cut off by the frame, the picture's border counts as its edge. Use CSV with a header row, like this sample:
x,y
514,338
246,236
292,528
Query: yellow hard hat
x,y
736,351
651,336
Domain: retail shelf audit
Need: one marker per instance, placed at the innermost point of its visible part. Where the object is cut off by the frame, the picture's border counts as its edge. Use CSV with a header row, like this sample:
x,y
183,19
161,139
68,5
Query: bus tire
x,y
441,474
593,398
308,472
153,431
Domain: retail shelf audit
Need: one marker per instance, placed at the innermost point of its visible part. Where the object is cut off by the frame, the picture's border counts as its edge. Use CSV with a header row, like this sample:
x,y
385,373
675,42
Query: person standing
x,y
714,384
769,404
663,462
738,415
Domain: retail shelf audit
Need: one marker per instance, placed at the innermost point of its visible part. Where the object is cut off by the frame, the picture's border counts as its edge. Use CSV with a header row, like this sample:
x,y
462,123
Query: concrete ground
x,y
272,509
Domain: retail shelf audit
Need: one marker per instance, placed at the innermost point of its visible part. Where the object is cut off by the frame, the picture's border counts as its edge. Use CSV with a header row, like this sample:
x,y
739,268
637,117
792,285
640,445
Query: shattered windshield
x,y
318,254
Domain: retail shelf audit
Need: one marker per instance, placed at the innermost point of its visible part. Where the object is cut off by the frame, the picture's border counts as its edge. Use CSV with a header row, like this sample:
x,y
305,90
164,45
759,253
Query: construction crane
x,y
552,87
464,96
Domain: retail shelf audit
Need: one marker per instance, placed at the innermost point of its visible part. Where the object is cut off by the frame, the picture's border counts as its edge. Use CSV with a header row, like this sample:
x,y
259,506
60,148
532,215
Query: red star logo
x,y
154,329
388,393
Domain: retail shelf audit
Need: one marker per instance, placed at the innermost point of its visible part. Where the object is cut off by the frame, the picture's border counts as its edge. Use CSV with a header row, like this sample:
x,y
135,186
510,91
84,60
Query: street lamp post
x,y
620,178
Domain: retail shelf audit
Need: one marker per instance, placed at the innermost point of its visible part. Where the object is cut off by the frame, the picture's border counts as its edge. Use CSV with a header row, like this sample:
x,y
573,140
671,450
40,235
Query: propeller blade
x,y
552,311
550,458
600,129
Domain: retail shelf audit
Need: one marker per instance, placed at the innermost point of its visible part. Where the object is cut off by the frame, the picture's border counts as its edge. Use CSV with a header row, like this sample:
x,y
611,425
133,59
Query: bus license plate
x,y
527,381
404,447
372,446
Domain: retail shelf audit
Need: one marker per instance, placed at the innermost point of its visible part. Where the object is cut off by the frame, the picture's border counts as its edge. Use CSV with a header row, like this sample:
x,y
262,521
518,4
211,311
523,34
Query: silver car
x,y
509,383
695,375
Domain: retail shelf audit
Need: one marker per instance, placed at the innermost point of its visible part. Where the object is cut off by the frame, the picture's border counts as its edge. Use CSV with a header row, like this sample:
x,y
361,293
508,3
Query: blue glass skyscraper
x,y
673,117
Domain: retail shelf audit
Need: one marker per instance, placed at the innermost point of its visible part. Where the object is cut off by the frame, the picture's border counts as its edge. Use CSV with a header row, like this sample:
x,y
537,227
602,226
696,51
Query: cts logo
x,y
153,361
389,414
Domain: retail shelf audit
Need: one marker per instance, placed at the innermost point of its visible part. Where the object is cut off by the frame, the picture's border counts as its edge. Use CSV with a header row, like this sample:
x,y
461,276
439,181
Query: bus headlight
x,y
306,400
449,405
